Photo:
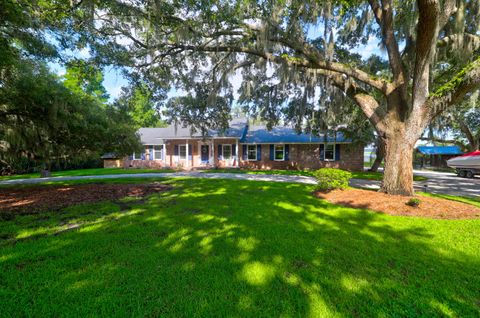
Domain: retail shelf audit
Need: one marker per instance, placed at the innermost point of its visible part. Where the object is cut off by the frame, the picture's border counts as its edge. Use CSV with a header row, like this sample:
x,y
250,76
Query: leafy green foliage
x,y
331,179
140,103
42,120
413,202
87,78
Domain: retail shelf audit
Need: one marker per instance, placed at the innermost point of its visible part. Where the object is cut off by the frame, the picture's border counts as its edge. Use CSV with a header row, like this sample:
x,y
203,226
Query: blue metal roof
x,y
440,150
260,134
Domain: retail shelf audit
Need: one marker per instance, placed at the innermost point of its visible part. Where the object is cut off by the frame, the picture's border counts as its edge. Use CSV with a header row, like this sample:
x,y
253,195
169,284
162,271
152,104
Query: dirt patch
x,y
40,199
395,205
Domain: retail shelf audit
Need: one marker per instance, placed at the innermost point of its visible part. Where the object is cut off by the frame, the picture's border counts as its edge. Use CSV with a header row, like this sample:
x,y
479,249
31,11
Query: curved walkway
x,y
444,183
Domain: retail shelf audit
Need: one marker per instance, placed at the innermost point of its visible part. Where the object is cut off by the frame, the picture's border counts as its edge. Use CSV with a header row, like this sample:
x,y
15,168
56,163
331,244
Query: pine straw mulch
x,y
395,205
40,199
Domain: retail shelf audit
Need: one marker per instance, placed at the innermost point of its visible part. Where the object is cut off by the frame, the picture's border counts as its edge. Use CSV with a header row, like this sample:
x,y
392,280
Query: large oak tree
x,y
295,56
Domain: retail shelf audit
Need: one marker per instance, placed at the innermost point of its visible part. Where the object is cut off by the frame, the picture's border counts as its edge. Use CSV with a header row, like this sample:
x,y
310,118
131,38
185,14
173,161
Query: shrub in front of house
x,y
331,179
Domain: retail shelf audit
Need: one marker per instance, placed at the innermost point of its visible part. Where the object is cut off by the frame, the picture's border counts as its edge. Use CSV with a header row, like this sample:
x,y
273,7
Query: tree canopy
x,y
43,118
295,58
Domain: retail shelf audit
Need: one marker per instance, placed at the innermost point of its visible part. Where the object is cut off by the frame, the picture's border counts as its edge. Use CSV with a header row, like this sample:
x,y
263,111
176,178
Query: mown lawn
x,y
215,248
86,172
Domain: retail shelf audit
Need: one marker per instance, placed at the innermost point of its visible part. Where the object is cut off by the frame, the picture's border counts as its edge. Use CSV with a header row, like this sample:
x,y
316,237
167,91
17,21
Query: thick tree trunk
x,y
398,172
379,155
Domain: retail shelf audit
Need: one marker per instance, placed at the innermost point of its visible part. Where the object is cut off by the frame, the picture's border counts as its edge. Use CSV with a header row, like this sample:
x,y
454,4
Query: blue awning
x,y
440,150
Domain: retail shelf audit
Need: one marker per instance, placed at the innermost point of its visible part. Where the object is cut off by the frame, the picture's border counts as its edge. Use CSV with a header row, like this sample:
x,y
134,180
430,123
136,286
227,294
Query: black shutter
x,y
244,152
337,151
259,152
322,152
234,150
219,152
272,152
175,150
287,152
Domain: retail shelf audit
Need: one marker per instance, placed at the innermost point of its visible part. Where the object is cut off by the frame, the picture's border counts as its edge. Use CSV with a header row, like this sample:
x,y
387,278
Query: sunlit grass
x,y
217,248
469,200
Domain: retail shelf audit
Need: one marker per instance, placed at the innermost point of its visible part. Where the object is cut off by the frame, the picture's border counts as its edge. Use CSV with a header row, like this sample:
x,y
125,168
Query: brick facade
x,y
301,156
307,156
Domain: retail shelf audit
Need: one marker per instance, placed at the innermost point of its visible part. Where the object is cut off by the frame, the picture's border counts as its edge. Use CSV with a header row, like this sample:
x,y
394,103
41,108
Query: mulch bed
x,y
395,205
41,199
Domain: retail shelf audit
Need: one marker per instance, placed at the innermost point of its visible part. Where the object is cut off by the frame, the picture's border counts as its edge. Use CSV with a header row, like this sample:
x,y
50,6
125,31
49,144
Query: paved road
x,y
438,182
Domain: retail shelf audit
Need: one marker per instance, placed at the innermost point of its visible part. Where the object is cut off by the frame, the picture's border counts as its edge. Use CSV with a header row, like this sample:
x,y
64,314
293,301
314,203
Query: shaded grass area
x,y
87,172
119,180
366,175
237,248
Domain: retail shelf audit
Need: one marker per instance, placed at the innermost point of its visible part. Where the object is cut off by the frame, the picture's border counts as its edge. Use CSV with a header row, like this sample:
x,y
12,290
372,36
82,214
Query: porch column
x,y
213,153
188,160
237,160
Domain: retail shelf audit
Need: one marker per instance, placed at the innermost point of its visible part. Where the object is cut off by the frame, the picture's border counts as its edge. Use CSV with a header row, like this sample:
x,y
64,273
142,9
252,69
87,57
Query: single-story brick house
x,y
244,145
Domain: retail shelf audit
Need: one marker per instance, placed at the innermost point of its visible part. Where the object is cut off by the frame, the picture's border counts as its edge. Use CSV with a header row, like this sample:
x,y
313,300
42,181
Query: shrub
x,y
413,202
330,179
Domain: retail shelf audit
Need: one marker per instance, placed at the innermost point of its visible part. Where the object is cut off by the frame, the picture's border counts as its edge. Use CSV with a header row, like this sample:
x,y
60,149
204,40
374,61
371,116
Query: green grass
x,y
219,247
261,172
86,172
367,175
469,200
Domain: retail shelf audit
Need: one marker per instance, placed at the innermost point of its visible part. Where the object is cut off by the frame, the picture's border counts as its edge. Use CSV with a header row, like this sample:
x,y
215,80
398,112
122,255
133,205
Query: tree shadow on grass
x,y
240,248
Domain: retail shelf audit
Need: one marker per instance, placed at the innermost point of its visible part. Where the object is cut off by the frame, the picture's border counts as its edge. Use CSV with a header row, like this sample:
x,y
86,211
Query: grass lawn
x,y
237,248
86,172
367,175
469,200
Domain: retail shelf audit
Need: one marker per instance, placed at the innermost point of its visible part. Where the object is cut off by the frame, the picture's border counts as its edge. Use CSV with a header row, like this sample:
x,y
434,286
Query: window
x,y
329,152
252,152
227,152
158,152
138,156
279,152
182,151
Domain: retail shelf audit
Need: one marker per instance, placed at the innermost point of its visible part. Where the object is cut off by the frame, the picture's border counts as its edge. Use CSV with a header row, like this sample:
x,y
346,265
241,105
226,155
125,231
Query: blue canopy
x,y
440,150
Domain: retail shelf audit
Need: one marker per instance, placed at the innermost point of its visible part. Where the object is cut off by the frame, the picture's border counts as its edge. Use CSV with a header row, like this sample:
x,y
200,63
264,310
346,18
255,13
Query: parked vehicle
x,y
467,165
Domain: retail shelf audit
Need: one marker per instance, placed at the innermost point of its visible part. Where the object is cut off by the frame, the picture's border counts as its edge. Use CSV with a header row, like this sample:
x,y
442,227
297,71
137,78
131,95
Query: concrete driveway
x,y
438,182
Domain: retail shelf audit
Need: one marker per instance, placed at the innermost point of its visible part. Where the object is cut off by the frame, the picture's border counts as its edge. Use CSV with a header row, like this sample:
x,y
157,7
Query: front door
x,y
204,153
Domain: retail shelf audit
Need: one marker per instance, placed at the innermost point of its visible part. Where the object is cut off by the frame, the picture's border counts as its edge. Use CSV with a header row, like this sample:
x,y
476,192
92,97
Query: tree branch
x,y
427,33
455,90
384,17
360,75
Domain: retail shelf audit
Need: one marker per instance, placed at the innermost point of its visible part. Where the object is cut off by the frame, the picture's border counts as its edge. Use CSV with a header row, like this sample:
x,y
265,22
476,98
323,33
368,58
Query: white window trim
x,y
256,151
223,151
133,156
179,152
275,152
325,152
162,151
